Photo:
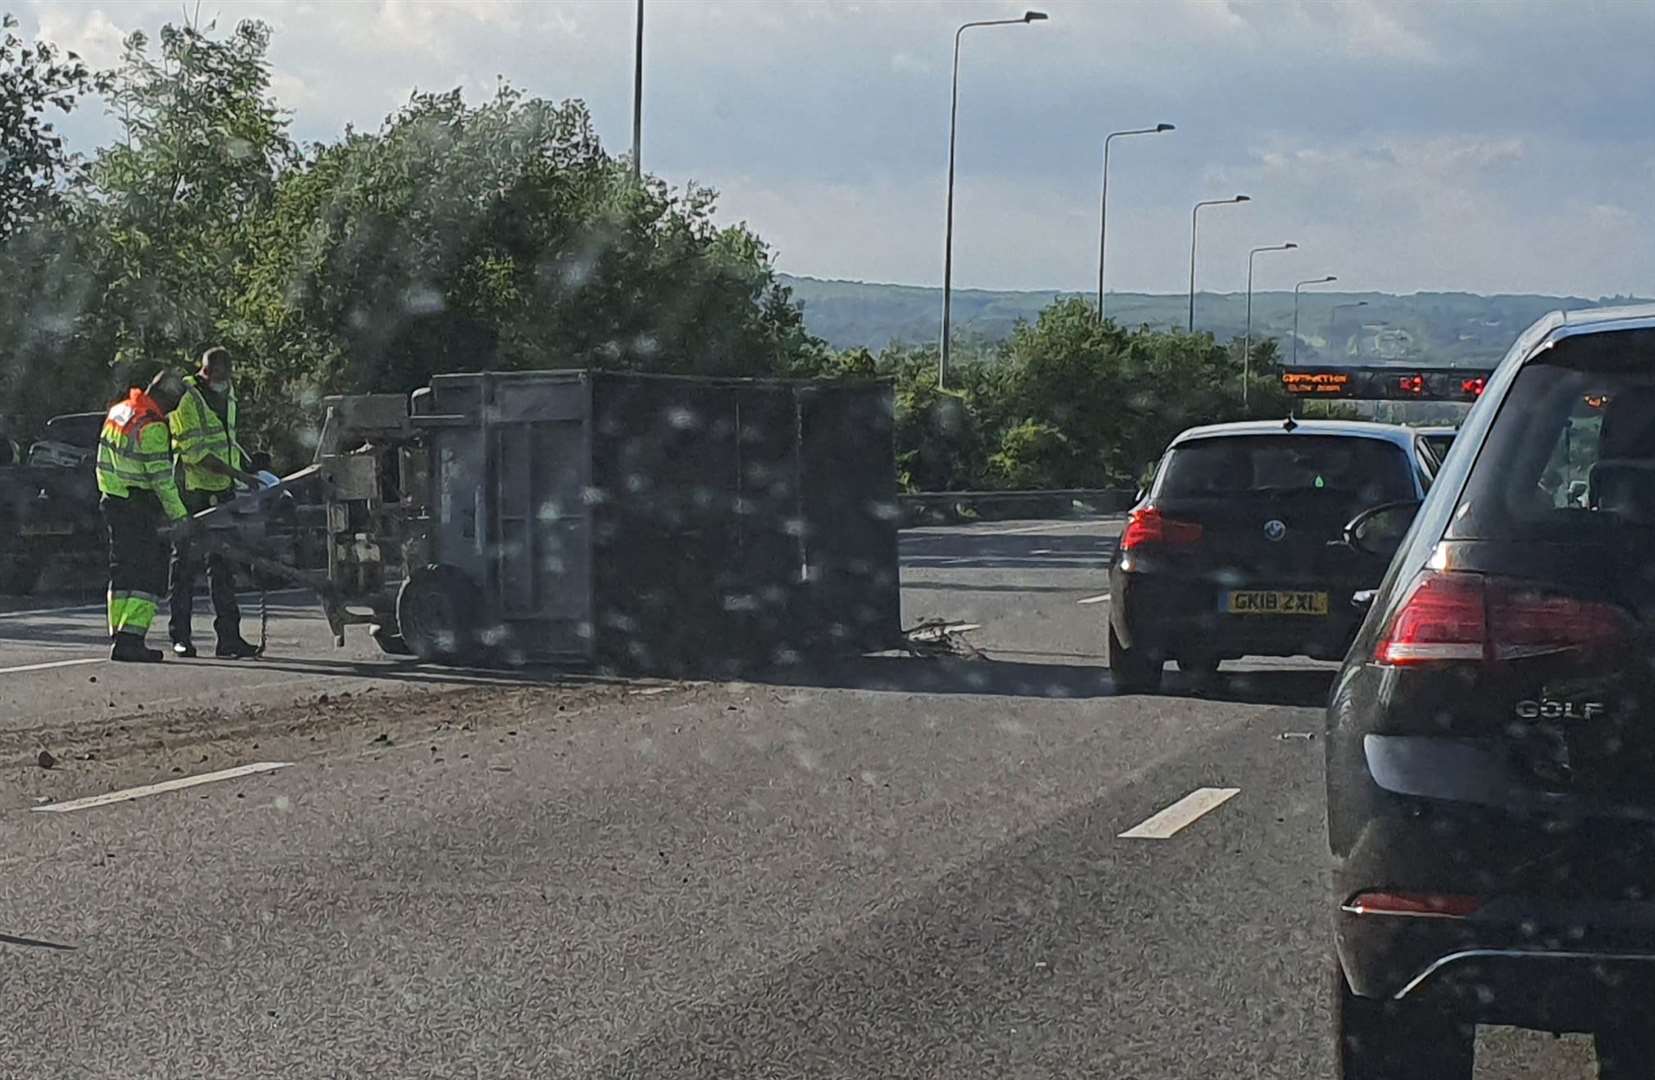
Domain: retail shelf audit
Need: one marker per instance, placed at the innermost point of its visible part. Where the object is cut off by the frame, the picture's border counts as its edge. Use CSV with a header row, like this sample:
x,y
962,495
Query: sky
x,y
1484,147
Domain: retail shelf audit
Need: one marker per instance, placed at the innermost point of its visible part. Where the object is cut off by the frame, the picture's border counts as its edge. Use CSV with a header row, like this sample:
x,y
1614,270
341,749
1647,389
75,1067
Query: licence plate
x,y
1275,602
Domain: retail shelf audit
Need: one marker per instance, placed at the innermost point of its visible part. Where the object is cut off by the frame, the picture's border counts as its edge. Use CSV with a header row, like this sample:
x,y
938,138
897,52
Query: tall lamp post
x,y
638,99
1195,218
1247,336
1103,197
1296,288
948,231
1333,316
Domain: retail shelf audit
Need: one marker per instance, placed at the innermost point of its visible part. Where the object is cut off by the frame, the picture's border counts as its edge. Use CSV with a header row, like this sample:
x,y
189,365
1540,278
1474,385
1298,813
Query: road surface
x,y
887,867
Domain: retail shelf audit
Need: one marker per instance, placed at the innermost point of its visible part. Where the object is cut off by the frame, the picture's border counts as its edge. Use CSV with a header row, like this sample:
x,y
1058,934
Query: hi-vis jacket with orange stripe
x,y
135,453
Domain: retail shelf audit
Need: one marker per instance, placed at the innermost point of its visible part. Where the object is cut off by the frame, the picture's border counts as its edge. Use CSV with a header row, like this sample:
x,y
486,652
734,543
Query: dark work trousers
x,y
137,560
221,579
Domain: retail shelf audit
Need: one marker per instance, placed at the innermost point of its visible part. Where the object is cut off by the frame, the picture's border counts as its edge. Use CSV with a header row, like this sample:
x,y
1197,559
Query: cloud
x,y
1403,146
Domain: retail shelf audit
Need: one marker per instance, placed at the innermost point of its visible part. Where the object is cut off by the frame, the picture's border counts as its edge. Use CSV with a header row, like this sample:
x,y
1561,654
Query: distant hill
x,y
1438,328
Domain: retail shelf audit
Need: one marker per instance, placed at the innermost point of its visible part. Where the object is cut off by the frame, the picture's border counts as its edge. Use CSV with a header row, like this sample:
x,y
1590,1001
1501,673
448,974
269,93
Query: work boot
x,y
235,649
184,650
132,650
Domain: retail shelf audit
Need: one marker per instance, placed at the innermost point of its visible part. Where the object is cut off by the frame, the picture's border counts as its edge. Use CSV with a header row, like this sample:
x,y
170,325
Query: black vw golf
x,y
1235,549
1491,736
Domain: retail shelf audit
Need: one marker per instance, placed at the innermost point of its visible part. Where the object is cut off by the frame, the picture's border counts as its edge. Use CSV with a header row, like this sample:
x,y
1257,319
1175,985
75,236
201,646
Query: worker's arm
x,y
155,453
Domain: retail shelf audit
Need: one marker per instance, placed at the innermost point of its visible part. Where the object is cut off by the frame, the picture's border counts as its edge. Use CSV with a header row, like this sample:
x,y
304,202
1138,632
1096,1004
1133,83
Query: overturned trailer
x,y
656,523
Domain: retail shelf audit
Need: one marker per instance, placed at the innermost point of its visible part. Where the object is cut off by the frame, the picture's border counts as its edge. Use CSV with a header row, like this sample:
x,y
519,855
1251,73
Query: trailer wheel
x,y
388,636
437,614
19,574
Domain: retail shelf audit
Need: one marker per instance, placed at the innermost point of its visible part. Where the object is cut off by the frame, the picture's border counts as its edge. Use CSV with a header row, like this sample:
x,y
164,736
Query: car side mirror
x,y
1378,530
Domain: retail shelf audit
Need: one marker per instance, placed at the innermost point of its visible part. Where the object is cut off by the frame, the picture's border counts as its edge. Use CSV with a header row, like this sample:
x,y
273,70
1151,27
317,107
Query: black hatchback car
x,y
1234,549
1491,736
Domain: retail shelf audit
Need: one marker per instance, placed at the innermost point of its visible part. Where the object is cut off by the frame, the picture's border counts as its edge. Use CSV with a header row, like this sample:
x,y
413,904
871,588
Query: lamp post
x,y
1195,217
948,231
1247,336
1333,316
1103,197
1296,288
638,99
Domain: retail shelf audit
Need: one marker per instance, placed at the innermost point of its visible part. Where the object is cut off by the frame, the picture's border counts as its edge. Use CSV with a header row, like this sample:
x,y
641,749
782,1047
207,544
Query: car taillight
x,y
1419,905
1461,616
1150,526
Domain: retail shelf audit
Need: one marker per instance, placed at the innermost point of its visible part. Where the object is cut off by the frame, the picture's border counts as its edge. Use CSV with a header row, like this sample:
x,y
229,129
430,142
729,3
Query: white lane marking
x,y
51,611
1098,599
128,794
1180,814
100,607
1091,523
53,664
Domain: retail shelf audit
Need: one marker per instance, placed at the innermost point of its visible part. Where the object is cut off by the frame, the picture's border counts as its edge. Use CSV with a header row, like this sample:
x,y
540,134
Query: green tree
x,y
501,235
41,247
179,195
36,79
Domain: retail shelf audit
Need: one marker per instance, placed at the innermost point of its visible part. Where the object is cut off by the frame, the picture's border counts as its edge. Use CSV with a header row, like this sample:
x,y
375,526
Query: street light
x,y
1194,218
1247,337
1103,198
1296,288
1333,315
948,232
638,99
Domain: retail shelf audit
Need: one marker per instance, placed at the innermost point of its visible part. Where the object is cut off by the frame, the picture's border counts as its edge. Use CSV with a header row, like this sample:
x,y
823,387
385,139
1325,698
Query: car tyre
x,y
1381,1039
1134,671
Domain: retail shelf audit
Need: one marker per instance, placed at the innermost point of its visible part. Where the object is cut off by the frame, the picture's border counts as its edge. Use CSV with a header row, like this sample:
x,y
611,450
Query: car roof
x,y
1355,429
1436,429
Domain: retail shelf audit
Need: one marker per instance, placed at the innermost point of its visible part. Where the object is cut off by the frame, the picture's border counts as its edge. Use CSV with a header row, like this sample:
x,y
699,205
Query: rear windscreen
x,y
1370,471
1571,454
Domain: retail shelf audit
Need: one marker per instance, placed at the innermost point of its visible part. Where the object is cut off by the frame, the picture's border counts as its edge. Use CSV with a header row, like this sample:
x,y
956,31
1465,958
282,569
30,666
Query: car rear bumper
x,y
1563,935
1550,978
1172,615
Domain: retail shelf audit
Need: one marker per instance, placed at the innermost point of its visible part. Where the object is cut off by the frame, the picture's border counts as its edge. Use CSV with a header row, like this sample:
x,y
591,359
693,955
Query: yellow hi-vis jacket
x,y
197,433
135,453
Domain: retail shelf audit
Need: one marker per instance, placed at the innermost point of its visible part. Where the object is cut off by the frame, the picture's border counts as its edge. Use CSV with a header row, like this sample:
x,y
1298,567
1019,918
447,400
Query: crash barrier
x,y
942,507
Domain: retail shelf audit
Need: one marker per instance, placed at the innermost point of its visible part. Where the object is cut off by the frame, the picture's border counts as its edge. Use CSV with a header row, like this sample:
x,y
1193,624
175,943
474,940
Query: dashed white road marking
x,y
1181,814
1098,599
53,664
128,794
52,611
100,607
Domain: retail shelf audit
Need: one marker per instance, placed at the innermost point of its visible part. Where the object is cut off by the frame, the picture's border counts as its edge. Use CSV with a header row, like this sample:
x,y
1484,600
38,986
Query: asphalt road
x,y
887,867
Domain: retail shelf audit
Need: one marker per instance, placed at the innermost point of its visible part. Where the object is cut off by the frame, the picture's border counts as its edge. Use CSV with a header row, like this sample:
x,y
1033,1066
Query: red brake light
x,y
1150,526
1459,616
1441,619
1473,387
1411,384
1527,622
1427,905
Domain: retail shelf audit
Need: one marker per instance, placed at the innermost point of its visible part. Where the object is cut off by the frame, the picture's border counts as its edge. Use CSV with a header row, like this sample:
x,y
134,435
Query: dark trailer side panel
x,y
670,524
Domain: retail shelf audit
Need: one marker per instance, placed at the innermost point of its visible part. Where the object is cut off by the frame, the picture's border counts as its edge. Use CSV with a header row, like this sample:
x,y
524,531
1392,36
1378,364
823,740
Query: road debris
x,y
939,637
1290,735
45,760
